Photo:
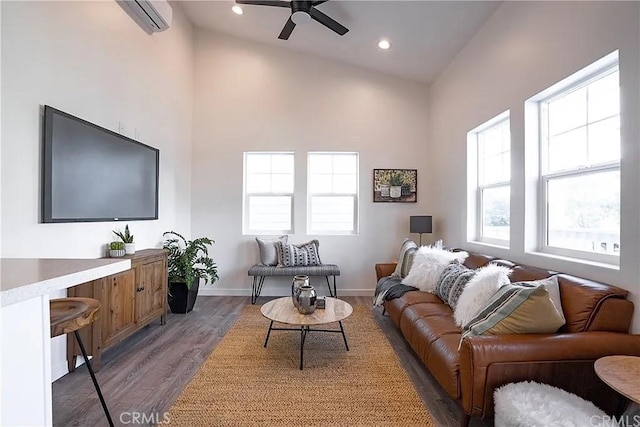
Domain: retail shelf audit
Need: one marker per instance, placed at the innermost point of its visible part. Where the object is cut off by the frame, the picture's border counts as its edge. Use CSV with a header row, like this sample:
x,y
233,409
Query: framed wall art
x,y
395,185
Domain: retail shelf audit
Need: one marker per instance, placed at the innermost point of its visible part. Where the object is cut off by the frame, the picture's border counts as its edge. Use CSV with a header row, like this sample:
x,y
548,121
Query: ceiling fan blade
x,y
315,3
286,31
277,3
328,22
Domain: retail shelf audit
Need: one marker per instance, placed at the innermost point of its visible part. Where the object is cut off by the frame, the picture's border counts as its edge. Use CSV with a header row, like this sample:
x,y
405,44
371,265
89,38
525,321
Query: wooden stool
x,y
69,315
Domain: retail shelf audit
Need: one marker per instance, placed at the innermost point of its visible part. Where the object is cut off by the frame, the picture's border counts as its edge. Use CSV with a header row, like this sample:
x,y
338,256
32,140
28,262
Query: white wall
x,y
524,48
252,97
90,59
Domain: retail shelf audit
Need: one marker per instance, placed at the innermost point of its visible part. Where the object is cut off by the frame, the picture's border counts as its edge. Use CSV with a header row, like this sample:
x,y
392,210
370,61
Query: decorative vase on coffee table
x,y
306,296
298,281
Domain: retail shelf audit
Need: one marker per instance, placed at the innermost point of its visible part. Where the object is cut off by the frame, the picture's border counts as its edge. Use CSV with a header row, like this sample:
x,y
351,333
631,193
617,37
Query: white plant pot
x,y
396,191
113,253
130,248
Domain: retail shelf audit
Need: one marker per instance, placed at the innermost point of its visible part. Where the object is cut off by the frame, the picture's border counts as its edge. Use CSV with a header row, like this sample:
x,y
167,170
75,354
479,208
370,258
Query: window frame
x,y
545,177
355,196
478,236
246,230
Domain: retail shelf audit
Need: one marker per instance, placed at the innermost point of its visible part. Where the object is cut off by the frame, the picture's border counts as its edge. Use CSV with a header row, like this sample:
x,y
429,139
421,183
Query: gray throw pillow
x,y
304,254
268,252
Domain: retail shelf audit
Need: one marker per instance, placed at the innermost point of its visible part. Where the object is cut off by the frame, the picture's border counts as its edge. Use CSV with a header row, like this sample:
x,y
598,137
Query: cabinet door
x,y
151,292
119,293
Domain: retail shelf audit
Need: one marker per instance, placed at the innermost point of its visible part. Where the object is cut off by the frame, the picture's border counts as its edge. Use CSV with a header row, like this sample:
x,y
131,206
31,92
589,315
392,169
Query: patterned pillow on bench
x,y
304,254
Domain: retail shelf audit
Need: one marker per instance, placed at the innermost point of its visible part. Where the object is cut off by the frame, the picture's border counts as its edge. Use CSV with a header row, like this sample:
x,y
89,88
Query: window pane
x,y
320,183
495,212
332,213
604,141
344,163
259,163
345,184
320,163
270,213
604,97
568,150
584,212
282,183
568,112
494,145
282,163
258,183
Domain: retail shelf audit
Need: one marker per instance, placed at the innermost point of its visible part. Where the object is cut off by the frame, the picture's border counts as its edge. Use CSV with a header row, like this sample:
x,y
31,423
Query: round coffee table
x,y
282,310
621,373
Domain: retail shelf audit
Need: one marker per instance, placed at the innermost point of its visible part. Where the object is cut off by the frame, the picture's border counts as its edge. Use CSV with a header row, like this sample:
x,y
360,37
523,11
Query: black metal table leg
x,y
303,336
268,333
344,337
93,378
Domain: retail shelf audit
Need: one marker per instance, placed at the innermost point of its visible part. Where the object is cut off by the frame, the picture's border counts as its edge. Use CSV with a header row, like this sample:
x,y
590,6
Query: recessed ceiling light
x,y
237,10
384,44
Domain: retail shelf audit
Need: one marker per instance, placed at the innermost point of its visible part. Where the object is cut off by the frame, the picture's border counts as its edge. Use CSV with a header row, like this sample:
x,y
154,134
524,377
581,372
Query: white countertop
x,y
25,278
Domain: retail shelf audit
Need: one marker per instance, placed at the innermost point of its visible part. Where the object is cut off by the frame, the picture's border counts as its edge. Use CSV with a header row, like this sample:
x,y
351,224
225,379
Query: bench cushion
x,y
315,270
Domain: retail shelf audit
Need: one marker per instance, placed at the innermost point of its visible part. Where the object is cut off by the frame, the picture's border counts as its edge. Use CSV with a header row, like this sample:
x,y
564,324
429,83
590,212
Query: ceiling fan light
x,y
384,44
237,10
300,17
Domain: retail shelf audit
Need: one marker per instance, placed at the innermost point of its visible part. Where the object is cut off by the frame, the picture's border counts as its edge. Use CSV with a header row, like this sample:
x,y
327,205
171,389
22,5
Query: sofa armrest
x,y
562,360
385,269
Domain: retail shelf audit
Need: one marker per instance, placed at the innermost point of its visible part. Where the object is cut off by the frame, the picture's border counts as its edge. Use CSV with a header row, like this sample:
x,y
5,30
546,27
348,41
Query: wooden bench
x,y
260,272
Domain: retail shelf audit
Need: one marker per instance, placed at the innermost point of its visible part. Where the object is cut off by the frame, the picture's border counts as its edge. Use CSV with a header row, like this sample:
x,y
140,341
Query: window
x,y
332,193
580,168
491,183
268,193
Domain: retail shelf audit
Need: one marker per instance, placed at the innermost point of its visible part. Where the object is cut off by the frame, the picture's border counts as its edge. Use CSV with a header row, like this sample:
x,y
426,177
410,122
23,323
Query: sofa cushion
x,y
428,265
452,282
405,258
479,290
425,331
517,308
444,363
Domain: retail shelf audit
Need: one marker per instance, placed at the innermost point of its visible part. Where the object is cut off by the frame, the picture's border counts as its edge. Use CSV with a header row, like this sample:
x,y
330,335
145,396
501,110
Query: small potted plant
x,y
395,182
127,239
188,262
116,249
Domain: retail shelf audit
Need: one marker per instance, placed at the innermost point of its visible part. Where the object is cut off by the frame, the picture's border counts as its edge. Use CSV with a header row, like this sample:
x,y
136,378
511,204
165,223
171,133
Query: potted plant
x,y
127,239
395,181
116,249
188,263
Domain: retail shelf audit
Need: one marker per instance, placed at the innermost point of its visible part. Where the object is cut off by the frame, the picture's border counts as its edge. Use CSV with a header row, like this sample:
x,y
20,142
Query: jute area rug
x,y
244,384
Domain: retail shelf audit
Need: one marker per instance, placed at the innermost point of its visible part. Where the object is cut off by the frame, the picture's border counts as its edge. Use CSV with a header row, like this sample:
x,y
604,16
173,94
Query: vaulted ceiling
x,y
425,35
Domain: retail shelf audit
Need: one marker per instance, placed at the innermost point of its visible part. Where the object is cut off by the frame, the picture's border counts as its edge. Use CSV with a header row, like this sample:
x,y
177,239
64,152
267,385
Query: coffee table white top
x,y
282,310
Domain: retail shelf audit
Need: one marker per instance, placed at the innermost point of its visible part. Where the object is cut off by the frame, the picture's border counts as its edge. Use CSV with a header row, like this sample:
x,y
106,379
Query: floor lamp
x,y
420,224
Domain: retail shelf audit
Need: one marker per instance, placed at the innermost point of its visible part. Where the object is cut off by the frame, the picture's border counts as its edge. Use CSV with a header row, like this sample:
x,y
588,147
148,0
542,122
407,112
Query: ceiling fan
x,y
301,11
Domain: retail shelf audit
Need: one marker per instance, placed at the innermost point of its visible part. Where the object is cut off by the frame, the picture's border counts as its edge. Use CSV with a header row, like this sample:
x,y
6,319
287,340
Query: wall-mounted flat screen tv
x,y
93,174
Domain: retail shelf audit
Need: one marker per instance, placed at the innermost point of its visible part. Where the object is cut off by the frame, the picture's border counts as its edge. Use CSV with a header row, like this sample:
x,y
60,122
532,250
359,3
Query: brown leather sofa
x,y
598,320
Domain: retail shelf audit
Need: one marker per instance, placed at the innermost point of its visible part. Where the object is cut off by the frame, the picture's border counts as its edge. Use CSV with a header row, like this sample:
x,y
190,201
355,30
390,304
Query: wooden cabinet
x,y
130,300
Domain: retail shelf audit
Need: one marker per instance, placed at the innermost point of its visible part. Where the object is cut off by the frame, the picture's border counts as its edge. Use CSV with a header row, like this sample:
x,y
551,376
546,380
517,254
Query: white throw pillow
x,y
428,265
479,290
553,287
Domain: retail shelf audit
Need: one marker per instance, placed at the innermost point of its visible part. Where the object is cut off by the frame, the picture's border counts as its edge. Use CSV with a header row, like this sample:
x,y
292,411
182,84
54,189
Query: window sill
x,y
489,245
581,261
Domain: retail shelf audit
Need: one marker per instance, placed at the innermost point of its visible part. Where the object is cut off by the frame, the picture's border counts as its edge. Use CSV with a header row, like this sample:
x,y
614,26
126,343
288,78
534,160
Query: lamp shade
x,y
420,224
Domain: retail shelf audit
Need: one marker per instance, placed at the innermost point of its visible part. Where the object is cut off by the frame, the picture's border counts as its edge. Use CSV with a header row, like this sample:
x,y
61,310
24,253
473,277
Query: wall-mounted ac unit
x,y
151,15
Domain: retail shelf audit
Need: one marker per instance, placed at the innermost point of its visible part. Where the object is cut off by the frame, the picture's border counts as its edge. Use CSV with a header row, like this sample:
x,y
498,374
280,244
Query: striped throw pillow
x,y
405,258
304,254
516,308
452,282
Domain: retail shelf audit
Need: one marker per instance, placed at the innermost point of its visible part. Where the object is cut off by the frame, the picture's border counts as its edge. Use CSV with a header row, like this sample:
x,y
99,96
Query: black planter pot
x,y
181,300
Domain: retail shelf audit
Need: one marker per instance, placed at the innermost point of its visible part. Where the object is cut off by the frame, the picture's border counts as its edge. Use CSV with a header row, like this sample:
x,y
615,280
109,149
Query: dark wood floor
x,y
146,372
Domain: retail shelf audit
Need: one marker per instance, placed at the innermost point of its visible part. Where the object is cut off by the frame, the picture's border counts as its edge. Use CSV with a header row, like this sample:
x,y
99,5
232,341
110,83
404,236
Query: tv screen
x,y
93,174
